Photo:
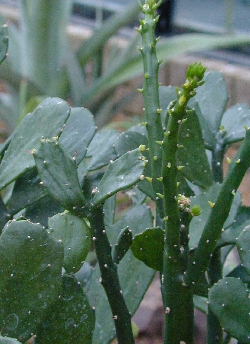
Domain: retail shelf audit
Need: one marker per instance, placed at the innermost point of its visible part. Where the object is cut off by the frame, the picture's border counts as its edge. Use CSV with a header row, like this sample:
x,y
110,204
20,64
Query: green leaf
x,y
166,49
148,247
75,236
231,235
58,173
71,319
30,268
101,35
192,155
198,222
43,39
35,126
130,140
167,94
134,275
7,340
123,244
240,272
120,174
229,301
234,120
109,211
41,210
243,244
200,303
78,132
101,149
4,214
212,99
27,190
233,231
3,42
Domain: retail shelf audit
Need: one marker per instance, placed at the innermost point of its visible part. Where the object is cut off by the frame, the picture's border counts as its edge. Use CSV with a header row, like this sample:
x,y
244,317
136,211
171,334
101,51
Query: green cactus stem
x,y
109,278
214,271
212,231
178,296
150,92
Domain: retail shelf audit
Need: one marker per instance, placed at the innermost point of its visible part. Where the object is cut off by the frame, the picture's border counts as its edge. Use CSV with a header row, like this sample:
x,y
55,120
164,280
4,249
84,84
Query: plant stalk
x,y
212,231
110,279
151,96
178,297
214,271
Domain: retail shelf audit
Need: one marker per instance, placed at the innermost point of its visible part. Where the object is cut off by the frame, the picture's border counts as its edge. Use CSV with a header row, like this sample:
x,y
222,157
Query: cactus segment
x,y
151,96
4,40
51,110
75,235
148,247
229,301
30,268
78,132
58,173
101,149
120,174
123,244
71,319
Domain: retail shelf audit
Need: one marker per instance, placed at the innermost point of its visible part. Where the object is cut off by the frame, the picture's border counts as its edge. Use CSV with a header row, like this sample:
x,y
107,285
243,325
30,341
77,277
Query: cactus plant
x,y
80,274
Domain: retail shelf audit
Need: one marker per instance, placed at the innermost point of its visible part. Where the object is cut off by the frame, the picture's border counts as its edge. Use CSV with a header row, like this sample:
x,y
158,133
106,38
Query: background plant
x,y
42,63
63,251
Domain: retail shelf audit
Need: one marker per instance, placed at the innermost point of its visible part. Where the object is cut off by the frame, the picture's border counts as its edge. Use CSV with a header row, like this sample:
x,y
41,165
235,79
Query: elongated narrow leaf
x,y
71,319
30,268
3,42
229,301
58,173
7,340
75,236
166,49
45,122
120,174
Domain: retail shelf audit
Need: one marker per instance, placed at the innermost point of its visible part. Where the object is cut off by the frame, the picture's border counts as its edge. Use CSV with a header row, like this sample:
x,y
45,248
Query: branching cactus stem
x,y
178,296
110,279
212,231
